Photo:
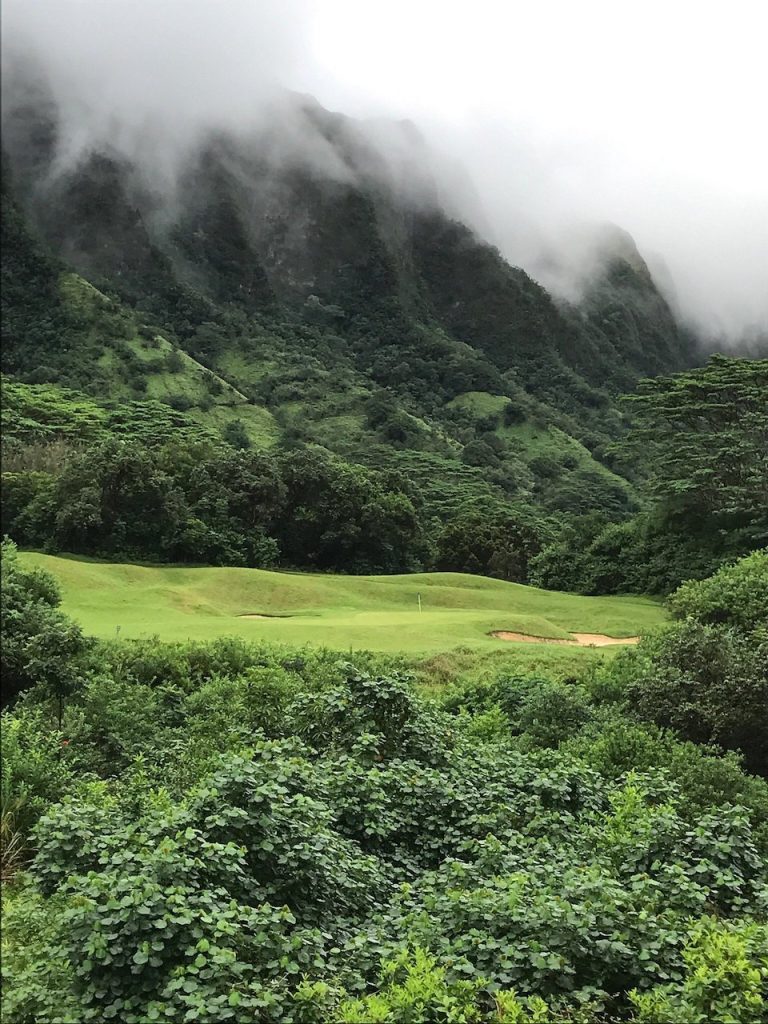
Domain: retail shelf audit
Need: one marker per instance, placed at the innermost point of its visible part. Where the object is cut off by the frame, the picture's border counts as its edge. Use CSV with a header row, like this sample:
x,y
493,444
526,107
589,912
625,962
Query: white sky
x,y
651,115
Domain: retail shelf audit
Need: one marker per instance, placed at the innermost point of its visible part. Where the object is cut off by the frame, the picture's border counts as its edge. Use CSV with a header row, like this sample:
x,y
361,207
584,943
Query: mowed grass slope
x,y
360,612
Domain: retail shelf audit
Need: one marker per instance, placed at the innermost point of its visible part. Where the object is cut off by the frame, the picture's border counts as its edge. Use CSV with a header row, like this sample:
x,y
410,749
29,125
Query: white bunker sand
x,y
576,640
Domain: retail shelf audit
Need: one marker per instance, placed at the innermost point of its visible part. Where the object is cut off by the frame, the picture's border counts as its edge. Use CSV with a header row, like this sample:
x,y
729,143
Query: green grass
x,y
536,438
479,403
81,296
377,613
260,425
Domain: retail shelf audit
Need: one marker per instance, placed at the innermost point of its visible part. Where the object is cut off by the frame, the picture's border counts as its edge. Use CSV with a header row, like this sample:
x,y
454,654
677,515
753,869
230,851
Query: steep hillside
x,y
302,283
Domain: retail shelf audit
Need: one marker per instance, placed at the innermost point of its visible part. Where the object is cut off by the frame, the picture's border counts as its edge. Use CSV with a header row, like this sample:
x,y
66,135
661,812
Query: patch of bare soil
x,y
261,615
577,639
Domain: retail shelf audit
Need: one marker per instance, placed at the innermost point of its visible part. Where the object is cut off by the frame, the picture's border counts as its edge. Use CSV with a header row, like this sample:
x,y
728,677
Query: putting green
x,y
362,612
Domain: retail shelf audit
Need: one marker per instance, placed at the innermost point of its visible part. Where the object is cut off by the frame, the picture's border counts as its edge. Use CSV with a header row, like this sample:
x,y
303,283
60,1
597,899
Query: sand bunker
x,y
577,639
601,640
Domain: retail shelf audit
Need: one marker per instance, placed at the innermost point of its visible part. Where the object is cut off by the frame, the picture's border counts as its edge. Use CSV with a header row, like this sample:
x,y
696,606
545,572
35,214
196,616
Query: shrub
x,y
174,361
180,402
513,414
707,682
736,595
38,979
552,712
726,973
234,433
40,643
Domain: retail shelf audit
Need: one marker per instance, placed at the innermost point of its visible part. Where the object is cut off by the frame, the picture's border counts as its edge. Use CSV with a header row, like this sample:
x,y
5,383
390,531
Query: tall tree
x,y
704,436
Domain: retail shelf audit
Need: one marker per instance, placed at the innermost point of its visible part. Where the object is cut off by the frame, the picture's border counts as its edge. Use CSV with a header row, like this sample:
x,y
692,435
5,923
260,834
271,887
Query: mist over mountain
x,y
304,276
148,80
306,205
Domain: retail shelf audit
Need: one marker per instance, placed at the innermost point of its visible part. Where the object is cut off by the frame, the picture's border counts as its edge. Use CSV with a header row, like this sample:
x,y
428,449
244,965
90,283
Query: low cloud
x,y
545,122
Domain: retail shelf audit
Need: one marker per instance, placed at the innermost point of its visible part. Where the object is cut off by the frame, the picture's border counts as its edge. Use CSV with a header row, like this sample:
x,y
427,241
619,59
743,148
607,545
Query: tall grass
x,y
13,847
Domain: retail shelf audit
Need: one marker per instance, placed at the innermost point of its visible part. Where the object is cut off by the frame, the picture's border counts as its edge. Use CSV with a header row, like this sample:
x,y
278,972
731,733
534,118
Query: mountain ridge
x,y
317,288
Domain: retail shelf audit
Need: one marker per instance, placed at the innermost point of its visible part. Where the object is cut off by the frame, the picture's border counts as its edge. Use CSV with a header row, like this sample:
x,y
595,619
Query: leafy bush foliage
x,y
709,683
725,979
235,830
40,644
707,676
737,595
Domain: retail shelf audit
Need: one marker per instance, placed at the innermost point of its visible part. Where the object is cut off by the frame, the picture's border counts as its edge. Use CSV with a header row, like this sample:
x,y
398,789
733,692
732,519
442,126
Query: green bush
x,y
552,712
413,989
737,595
38,980
709,683
216,874
235,434
726,974
40,643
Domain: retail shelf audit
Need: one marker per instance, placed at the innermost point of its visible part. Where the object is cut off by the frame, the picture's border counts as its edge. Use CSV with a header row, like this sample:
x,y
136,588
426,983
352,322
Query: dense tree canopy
x,y
704,437
491,544
202,502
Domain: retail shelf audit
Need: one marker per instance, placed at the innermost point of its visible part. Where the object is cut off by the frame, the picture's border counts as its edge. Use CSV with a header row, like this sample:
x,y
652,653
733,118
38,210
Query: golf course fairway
x,y
379,613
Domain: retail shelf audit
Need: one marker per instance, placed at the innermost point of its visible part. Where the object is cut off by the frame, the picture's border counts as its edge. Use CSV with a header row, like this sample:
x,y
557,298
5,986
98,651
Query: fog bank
x,y
548,120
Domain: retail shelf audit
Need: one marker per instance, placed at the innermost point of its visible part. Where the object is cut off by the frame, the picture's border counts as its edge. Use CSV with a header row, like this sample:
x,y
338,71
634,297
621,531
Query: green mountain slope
x,y
280,300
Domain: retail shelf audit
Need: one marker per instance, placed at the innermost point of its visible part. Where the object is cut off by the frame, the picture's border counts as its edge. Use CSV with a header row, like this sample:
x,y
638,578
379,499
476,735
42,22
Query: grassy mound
x,y
373,612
